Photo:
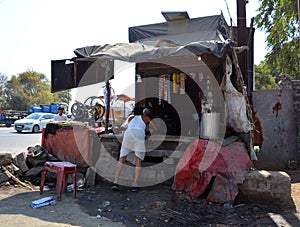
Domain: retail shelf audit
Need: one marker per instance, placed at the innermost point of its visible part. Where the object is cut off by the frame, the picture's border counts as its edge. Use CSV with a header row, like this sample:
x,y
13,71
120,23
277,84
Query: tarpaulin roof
x,y
164,43
182,32
135,52
196,36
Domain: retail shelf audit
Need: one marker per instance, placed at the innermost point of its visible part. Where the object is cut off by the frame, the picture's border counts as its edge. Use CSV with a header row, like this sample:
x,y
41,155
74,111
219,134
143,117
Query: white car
x,y
34,122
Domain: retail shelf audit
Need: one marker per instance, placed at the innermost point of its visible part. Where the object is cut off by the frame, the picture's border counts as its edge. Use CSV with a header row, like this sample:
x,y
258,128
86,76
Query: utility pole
x,y
243,36
107,109
242,40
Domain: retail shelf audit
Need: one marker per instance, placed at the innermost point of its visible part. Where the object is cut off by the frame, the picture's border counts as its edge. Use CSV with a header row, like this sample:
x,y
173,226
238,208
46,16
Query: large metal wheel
x,y
36,129
90,102
78,110
98,111
94,105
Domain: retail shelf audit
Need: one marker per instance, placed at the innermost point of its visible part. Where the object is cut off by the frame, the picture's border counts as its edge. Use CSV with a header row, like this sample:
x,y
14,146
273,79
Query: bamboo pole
x,y
10,175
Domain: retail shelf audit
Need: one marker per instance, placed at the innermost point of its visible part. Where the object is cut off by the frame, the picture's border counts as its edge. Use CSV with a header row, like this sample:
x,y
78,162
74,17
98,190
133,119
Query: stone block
x,y
5,159
148,174
90,176
170,161
266,186
14,169
105,157
34,171
159,153
178,154
3,177
20,161
106,170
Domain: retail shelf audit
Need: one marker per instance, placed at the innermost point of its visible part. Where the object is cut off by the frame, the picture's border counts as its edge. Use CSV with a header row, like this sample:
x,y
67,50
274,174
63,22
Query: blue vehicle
x,y
52,108
8,117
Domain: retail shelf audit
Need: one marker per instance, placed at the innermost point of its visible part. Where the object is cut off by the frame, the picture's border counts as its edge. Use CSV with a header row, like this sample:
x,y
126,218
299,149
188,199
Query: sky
x,y
34,32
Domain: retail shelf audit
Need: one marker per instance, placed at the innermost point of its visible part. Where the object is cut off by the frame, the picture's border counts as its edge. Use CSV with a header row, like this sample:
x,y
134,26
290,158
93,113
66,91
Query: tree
x,y
15,96
63,96
265,78
279,19
3,102
29,88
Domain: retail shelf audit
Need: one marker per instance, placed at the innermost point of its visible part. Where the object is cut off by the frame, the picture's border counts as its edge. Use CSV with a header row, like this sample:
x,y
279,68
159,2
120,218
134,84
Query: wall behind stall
x,y
296,89
276,128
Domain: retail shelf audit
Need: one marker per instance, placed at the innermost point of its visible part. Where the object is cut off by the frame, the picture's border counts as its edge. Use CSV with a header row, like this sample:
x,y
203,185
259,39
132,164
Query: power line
x,y
231,21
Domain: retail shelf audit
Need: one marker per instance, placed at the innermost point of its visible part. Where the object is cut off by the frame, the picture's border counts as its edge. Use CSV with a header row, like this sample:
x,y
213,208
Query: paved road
x,y
13,142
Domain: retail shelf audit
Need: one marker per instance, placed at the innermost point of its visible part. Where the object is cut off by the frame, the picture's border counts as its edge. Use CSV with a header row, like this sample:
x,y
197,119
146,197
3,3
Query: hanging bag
x,y
236,105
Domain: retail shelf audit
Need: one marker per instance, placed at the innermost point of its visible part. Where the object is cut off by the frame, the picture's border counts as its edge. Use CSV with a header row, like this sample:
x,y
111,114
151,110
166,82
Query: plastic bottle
x,y
80,184
228,205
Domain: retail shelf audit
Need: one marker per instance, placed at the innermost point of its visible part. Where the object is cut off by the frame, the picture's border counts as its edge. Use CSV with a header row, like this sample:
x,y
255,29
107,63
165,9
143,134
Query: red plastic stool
x,y
62,169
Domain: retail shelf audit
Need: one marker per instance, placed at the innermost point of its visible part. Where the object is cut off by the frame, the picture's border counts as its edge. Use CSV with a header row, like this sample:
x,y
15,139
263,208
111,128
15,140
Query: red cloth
x,y
71,145
228,164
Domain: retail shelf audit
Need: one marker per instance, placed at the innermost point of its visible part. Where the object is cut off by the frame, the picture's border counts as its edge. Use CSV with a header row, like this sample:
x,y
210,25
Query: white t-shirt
x,y
60,117
137,123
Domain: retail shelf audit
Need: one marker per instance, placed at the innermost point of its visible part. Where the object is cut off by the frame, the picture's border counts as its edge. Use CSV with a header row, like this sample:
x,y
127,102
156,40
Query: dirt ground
x,y
152,206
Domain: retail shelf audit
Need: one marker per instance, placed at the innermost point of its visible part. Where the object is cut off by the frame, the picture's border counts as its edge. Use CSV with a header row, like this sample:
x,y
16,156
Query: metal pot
x,y
210,126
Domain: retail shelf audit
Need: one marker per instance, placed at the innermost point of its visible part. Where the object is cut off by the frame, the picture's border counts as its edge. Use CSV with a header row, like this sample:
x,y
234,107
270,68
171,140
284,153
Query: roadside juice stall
x,y
186,72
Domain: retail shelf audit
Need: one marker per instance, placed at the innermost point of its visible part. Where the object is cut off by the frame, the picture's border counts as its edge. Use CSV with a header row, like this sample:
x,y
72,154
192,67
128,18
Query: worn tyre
x,y
36,129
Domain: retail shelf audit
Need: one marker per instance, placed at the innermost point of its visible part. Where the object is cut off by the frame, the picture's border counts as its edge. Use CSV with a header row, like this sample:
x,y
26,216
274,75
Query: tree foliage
x,y
63,96
264,77
3,80
279,19
30,88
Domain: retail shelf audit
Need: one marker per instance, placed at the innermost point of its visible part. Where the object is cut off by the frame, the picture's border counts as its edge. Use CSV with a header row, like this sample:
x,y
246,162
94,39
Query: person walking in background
x,y
60,116
134,141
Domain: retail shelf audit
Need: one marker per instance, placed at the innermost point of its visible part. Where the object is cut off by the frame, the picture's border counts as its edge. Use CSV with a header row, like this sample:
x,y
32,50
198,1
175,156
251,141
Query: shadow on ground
x,y
151,206
15,210
160,206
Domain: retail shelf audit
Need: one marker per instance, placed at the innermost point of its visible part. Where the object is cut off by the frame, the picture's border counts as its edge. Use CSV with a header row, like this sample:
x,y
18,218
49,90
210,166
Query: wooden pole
x,y
242,39
10,175
107,105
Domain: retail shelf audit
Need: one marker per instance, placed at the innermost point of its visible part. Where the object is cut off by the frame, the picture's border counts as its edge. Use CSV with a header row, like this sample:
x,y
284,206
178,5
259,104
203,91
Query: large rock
x,y
33,172
20,161
266,186
5,159
3,177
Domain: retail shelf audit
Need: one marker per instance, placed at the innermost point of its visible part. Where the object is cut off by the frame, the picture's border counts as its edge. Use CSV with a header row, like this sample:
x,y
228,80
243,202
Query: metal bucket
x,y
210,126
